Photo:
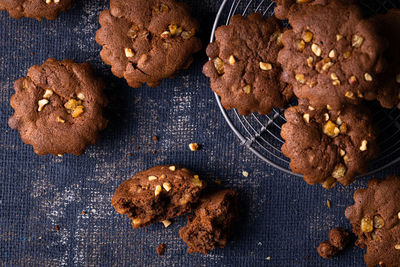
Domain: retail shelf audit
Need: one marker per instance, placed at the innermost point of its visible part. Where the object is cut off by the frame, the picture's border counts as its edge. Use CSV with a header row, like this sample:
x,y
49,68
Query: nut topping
x,y
378,222
167,186
310,61
311,108
61,120
152,178
265,66
326,115
338,37
48,93
342,152
42,103
193,146
133,32
158,190
247,89
166,223
353,80
316,50
346,54
307,36
397,246
232,60
367,225
329,183
368,77
306,117
129,53
74,107
172,168
300,78
363,146
339,171
187,35
301,45
349,95
165,35
219,65
330,129
357,41
332,54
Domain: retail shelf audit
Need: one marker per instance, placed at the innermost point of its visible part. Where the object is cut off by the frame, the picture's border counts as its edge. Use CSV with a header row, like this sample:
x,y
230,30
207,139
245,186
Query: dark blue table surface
x,y
57,211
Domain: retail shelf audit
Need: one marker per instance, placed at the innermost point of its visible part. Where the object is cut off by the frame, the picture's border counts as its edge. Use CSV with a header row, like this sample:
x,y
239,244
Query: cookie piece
x,y
243,68
147,41
59,107
38,9
283,7
375,217
389,81
332,55
158,194
339,238
327,145
211,222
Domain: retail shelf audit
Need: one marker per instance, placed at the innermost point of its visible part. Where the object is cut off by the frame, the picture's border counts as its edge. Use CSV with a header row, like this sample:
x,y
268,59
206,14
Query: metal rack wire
x,y
261,133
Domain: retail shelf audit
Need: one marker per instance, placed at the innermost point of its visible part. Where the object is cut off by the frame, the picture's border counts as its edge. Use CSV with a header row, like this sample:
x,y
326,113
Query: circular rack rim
x,y
248,142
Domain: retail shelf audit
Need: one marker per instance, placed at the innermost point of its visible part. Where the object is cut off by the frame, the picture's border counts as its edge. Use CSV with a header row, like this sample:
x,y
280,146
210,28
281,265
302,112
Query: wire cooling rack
x,y
261,133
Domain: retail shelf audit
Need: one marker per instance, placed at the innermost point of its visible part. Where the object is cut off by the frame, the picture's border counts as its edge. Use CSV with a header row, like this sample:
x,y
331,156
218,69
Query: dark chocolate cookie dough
x,y
147,41
58,107
243,68
211,223
389,81
158,194
37,9
375,217
332,55
327,145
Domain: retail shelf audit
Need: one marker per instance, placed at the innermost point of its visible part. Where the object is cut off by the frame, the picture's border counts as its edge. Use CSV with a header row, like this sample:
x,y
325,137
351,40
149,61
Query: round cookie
x,y
158,194
375,217
332,55
38,9
212,222
327,145
282,9
147,41
243,68
389,81
58,107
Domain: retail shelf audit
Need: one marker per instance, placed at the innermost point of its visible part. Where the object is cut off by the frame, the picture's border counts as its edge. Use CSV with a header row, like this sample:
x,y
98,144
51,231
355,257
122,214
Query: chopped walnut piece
x,y
329,183
343,128
187,35
219,65
357,41
332,54
300,78
196,181
152,178
48,93
265,66
232,60
397,246
378,222
81,96
353,80
74,107
133,32
363,146
311,108
306,117
368,77
158,190
172,168
61,120
367,225
339,171
42,103
166,223
165,35
310,61
307,36
330,129
167,186
129,53
339,37
316,50
174,29
349,95
346,54
326,115
342,152
247,89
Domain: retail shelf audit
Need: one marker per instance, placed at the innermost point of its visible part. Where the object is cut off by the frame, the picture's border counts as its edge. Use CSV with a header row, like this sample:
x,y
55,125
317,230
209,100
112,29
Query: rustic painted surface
x,y
282,218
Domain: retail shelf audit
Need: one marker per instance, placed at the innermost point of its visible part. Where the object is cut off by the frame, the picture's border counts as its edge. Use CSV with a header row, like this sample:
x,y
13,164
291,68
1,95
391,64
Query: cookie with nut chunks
x,y
328,145
375,217
147,41
332,55
389,81
158,194
58,107
242,68
38,9
212,222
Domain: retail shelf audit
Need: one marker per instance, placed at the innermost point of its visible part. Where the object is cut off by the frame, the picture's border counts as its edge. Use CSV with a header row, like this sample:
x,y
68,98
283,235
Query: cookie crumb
x,y
245,174
161,249
339,238
155,138
83,212
57,228
218,181
328,203
194,146
166,223
268,258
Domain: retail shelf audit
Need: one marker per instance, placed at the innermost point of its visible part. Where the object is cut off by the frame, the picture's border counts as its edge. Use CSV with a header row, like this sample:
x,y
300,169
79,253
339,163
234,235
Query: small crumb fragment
x,y
245,174
57,228
83,212
268,258
194,146
172,168
217,181
328,203
161,249
155,138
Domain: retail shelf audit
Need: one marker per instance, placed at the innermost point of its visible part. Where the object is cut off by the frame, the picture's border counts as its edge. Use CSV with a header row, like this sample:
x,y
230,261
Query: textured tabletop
x,y
57,211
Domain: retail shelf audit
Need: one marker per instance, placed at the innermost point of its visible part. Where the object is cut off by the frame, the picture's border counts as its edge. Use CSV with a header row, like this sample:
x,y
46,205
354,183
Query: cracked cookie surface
x,y
58,107
38,9
212,222
147,41
243,70
327,145
389,81
158,194
375,217
332,55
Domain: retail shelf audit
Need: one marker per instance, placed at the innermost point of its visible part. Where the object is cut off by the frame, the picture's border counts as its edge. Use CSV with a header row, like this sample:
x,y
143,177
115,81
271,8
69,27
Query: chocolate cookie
x,y
158,194
147,41
211,224
332,55
243,68
58,107
375,217
38,9
283,7
389,81
327,145
339,238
